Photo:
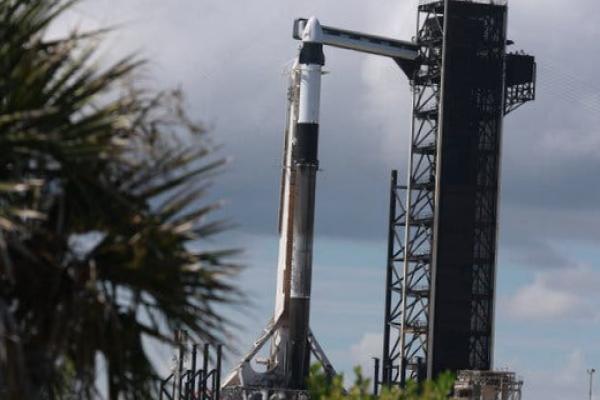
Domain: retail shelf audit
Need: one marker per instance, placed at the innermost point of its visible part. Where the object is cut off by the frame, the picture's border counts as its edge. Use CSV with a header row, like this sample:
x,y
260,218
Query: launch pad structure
x,y
487,385
442,235
441,276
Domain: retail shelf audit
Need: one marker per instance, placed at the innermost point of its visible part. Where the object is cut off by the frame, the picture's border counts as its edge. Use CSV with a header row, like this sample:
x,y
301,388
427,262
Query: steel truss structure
x,y
410,237
439,305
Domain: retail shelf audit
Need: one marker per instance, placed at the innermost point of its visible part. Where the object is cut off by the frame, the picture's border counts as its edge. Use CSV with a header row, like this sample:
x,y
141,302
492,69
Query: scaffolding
x,y
410,236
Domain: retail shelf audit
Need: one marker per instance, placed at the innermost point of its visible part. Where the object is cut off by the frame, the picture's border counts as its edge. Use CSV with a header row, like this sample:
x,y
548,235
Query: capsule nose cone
x,y
312,31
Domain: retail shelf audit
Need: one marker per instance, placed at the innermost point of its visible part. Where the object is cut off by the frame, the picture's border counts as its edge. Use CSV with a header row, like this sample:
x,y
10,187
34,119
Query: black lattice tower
x,y
443,222
409,267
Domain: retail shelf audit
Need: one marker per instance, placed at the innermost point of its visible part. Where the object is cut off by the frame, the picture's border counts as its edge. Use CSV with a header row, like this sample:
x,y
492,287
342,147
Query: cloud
x,y
549,225
524,251
566,379
229,58
539,301
369,346
566,293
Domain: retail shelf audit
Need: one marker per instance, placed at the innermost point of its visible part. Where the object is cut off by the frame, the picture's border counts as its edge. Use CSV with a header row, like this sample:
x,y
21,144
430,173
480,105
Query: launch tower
x,y
441,271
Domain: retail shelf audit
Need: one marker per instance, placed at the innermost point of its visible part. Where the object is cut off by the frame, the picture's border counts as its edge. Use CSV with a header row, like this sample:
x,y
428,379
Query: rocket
x,y
301,207
291,341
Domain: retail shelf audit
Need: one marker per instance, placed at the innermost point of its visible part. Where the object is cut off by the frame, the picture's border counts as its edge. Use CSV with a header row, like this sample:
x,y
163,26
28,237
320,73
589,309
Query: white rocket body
x,y
287,365
297,212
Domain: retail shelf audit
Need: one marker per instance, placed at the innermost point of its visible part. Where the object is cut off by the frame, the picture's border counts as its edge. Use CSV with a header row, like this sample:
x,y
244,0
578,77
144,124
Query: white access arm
x,y
397,49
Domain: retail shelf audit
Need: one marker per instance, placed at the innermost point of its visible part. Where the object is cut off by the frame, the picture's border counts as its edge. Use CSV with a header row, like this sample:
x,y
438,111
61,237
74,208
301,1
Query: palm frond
x,y
84,152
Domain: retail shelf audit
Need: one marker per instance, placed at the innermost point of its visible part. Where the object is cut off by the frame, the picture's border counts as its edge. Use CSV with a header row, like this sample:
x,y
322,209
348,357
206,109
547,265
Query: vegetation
x,y
333,389
101,217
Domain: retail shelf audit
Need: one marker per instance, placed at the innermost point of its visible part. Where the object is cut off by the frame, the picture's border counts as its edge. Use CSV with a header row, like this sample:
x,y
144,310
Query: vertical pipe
x,y
591,373
218,372
201,384
591,385
189,383
194,355
387,362
205,368
376,377
304,165
174,386
180,369
213,384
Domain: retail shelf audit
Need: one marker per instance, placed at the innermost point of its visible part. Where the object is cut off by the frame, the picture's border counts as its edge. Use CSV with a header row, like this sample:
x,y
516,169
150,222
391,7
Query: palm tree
x,y
101,217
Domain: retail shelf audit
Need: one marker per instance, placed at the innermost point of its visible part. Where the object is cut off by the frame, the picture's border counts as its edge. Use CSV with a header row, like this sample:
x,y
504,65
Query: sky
x,y
231,59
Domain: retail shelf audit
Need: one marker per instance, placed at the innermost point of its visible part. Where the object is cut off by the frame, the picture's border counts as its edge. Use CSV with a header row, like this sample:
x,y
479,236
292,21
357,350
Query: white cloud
x,y
561,293
369,346
565,380
540,301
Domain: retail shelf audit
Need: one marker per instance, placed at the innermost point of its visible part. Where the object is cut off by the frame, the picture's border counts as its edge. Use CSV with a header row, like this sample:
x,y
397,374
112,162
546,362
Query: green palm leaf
x,y
101,199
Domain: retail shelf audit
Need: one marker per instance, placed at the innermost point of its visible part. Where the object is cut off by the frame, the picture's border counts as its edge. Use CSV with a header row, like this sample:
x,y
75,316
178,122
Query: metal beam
x,y
361,42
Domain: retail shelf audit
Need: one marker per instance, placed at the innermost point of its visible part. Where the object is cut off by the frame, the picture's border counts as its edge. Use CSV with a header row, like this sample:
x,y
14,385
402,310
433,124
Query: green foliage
x,y
103,221
323,388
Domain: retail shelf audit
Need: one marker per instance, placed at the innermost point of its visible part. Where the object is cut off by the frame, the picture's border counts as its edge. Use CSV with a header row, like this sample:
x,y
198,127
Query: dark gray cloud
x,y
532,253
230,58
